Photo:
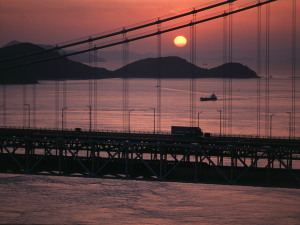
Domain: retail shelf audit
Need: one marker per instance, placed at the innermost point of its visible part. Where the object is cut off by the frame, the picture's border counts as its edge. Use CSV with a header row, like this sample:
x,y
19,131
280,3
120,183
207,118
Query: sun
x,y
180,41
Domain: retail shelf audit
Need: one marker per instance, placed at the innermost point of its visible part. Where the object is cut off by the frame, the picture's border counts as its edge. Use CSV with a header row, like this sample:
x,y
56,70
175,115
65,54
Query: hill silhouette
x,y
170,67
175,67
63,68
51,70
233,70
83,58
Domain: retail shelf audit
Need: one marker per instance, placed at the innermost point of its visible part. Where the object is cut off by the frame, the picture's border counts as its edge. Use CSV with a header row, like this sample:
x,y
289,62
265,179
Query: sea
x,y
46,199
98,104
40,199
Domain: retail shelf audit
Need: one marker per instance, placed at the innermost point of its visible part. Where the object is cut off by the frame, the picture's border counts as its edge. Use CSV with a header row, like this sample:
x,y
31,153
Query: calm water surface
x,y
50,99
35,199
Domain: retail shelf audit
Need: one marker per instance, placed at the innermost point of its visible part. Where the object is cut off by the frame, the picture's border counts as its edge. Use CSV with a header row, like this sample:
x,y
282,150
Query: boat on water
x,y
213,97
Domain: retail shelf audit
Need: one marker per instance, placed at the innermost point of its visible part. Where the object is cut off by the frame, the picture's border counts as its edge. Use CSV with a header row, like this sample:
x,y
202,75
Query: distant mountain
x,y
83,58
64,68
113,55
175,67
14,42
56,69
232,70
171,67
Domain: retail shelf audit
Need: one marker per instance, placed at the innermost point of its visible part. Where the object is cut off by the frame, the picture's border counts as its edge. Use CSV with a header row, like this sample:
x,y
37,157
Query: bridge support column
x,y
220,158
290,160
29,152
126,161
93,161
196,166
233,168
161,163
269,169
27,159
60,152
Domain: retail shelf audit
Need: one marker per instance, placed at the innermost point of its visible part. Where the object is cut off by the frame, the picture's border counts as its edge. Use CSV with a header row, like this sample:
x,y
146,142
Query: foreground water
x,y
35,199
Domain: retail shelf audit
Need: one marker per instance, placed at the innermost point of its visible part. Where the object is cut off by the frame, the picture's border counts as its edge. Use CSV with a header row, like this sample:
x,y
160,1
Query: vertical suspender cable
x,y
294,38
230,42
258,70
125,86
158,85
64,101
90,105
192,72
225,76
4,104
57,104
267,85
95,91
24,104
34,105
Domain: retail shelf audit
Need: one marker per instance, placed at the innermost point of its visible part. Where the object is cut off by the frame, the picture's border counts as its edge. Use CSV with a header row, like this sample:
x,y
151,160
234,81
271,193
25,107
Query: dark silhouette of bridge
x,y
247,161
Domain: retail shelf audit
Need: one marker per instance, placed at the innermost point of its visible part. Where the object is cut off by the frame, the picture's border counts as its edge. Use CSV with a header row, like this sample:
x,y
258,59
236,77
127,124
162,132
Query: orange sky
x,y
54,21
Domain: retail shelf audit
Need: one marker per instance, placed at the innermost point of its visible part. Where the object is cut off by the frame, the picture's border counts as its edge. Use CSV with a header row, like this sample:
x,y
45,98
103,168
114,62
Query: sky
x,y
52,21
55,21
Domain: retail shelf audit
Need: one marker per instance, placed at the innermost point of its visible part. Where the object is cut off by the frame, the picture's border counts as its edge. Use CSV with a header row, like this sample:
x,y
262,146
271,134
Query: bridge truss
x,y
151,156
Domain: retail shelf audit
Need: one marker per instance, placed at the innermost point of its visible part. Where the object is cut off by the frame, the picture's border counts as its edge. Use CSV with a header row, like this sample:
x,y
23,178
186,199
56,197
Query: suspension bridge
x,y
257,160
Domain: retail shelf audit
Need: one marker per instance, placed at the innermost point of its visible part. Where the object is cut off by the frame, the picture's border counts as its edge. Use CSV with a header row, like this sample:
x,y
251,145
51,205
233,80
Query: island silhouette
x,y
64,68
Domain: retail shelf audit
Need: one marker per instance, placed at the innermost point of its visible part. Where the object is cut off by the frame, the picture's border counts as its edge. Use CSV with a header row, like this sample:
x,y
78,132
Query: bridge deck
x,y
230,160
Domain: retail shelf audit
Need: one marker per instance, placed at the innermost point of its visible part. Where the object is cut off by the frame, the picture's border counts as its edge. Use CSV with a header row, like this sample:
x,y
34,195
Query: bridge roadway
x,y
226,160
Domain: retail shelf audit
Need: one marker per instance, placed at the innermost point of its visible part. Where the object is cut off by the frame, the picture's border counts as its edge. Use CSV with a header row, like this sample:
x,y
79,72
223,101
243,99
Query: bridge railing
x,y
249,136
